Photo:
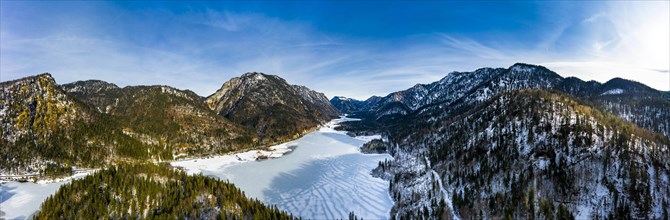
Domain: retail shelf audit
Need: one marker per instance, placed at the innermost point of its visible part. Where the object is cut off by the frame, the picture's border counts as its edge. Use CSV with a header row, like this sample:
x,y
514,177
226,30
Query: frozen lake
x,y
20,200
324,177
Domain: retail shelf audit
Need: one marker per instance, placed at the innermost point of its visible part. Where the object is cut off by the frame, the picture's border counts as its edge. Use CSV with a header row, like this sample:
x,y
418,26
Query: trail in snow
x,y
447,196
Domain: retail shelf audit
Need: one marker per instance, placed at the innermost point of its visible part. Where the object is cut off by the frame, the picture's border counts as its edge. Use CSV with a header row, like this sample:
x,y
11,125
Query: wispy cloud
x,y
200,49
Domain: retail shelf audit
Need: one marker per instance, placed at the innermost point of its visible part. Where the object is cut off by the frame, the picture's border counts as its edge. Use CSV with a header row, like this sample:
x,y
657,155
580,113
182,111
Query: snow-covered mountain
x,y
633,101
481,144
346,105
530,153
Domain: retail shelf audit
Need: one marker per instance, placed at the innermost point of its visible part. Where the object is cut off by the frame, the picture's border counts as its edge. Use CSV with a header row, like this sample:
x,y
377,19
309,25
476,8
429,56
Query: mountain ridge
x,y
50,128
516,127
295,110
442,141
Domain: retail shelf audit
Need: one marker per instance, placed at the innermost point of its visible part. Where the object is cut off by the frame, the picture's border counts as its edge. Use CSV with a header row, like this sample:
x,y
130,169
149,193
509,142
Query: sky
x,y
346,48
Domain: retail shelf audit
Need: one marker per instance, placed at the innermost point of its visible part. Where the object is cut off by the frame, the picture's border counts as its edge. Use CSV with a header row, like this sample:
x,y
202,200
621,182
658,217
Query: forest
x,y
149,191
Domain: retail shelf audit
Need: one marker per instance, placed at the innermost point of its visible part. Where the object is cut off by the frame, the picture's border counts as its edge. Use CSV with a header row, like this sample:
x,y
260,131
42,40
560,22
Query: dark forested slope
x,y
152,192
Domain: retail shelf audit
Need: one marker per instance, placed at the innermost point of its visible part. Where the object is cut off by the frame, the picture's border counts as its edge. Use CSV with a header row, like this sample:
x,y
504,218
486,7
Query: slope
x,y
276,110
459,91
153,192
45,130
175,120
528,154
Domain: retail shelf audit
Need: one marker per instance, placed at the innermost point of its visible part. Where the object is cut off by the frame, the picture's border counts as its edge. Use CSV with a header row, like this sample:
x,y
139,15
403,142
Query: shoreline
x,y
195,165
242,156
37,179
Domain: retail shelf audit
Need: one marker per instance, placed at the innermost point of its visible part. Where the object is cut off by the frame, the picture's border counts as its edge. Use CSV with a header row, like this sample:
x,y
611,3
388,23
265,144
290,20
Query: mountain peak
x,y
524,67
254,75
46,76
277,110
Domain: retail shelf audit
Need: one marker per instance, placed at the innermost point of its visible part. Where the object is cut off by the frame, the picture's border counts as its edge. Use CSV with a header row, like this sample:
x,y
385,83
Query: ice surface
x,y
20,200
325,177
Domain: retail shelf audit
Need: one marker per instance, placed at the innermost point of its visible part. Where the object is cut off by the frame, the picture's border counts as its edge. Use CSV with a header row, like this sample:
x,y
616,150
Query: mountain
x,y
44,130
150,191
633,101
276,110
175,120
346,105
96,93
49,128
483,139
527,154
349,105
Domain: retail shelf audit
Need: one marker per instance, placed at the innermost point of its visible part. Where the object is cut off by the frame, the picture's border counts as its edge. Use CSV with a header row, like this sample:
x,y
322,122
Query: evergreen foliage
x,y
152,192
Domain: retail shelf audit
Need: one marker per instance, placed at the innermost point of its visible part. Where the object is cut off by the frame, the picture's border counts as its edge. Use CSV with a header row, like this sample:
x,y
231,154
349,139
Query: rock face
x,y
276,110
523,142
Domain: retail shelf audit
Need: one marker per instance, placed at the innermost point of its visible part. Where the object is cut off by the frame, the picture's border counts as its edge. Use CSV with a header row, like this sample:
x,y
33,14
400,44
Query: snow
x,y
523,68
324,177
193,166
542,163
20,200
259,77
447,195
613,92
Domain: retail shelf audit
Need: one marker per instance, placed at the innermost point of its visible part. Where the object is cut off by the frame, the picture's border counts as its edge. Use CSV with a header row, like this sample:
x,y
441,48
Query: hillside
x,y
531,153
481,139
633,101
153,192
276,110
176,120
46,131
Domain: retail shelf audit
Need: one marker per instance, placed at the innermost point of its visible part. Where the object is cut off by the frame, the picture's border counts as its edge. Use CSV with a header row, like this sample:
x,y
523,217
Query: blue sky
x,y
350,48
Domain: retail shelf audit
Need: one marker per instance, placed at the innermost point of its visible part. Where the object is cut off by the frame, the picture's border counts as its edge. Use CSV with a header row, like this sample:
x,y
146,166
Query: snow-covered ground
x,y
325,177
20,200
193,166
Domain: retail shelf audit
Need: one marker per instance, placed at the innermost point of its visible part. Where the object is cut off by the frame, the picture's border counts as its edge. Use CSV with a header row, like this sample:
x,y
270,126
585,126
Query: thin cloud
x,y
219,45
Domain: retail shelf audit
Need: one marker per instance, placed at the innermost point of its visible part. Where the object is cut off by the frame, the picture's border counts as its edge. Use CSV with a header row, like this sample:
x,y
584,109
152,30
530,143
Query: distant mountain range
x,y
522,142
48,128
633,101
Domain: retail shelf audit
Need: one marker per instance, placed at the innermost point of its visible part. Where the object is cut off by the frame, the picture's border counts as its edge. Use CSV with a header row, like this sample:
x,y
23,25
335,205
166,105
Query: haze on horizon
x,y
353,49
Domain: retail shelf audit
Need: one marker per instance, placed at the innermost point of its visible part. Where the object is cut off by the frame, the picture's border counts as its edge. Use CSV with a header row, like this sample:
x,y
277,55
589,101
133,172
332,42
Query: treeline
x,y
153,192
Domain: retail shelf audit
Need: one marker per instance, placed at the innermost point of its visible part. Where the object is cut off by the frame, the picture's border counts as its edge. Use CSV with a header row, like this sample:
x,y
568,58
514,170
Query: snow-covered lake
x,y
324,177
20,200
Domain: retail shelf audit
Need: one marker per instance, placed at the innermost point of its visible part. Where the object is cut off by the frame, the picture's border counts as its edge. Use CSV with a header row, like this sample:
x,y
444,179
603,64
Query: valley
x,y
291,110
324,177
517,142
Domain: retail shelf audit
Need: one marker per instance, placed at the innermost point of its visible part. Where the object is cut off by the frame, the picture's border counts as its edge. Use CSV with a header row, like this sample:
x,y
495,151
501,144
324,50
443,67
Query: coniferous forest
x,y
151,191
